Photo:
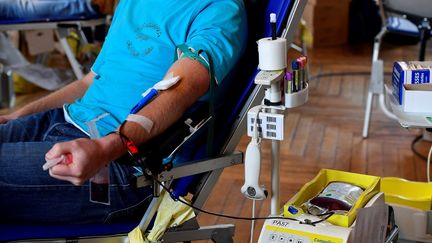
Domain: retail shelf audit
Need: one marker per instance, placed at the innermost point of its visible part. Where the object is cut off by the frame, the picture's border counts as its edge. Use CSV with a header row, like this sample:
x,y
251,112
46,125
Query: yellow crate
x,y
370,184
407,193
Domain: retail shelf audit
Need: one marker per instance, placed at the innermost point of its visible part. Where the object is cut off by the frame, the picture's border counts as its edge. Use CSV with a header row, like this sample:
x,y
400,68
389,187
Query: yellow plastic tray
x,y
370,184
407,193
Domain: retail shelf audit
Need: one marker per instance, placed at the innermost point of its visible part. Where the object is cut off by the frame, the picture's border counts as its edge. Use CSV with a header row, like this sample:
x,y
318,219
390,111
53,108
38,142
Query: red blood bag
x,y
336,196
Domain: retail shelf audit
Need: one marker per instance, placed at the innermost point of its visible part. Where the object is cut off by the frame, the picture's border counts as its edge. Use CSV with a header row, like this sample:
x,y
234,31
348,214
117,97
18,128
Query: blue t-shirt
x,y
141,46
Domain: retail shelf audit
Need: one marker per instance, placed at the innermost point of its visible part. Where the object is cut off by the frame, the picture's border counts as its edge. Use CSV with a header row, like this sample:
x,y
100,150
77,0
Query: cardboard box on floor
x,y
417,98
327,20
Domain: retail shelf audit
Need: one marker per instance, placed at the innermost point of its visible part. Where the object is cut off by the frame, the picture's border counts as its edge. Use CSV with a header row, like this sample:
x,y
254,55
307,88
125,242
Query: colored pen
x,y
295,70
288,83
304,73
301,74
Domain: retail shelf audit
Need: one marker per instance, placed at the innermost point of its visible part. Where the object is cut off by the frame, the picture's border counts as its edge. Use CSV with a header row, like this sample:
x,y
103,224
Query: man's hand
x,y
6,118
87,158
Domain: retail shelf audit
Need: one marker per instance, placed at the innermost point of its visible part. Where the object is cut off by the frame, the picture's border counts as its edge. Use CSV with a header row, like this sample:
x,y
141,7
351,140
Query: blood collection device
x,y
336,196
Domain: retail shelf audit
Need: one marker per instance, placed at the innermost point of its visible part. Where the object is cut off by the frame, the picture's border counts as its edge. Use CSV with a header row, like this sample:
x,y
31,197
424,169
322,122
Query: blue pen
x,y
295,69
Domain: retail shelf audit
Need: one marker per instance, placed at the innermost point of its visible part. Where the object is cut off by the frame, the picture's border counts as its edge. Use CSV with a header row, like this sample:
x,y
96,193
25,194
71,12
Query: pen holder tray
x,y
298,98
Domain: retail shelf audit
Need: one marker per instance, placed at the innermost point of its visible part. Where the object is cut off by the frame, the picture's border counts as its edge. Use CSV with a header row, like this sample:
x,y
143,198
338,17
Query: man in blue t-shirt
x,y
139,51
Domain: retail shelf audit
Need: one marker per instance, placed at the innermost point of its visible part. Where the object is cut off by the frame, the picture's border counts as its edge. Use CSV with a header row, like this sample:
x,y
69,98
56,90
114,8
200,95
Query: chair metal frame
x,y
61,30
376,83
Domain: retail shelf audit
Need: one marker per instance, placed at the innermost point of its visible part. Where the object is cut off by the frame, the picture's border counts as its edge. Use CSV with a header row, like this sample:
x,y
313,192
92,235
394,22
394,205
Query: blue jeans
x,y
29,195
35,9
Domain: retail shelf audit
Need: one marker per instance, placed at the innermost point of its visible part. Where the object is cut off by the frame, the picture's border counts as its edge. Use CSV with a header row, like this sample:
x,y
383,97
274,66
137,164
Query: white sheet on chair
x,y
9,55
44,77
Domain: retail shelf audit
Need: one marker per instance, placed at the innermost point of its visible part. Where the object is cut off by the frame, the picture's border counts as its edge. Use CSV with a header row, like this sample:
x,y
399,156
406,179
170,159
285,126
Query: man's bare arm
x,y
56,99
170,105
89,156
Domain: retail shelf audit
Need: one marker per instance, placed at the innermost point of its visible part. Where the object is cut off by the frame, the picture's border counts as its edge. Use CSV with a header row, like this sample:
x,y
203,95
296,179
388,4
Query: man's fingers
x,y
60,149
69,172
55,152
63,170
77,161
3,120
71,179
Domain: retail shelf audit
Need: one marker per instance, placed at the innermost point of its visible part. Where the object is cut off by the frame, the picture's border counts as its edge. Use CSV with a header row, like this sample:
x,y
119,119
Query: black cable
x,y
217,214
328,214
125,140
235,217
413,143
321,220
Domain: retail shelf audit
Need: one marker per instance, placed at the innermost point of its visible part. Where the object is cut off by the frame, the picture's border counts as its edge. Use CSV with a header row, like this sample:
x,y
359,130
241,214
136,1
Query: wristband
x,y
130,146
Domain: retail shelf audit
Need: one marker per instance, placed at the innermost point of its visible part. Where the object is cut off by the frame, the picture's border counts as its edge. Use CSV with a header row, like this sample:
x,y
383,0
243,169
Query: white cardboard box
x,y
417,98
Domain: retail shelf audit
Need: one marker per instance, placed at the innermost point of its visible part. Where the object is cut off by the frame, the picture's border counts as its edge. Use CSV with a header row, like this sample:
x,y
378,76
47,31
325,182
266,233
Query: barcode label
x,y
271,127
271,119
271,134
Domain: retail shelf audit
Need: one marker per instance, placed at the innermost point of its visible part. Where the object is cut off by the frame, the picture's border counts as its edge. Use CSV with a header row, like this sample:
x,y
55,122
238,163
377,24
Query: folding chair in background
x,y
199,176
60,25
410,18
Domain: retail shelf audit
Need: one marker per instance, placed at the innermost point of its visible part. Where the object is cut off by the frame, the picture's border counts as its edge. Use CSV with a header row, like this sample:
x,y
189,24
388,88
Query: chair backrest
x,y
51,19
413,8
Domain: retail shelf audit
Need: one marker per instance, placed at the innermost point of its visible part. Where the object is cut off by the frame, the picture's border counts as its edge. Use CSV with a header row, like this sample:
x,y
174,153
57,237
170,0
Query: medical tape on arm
x,y
141,120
